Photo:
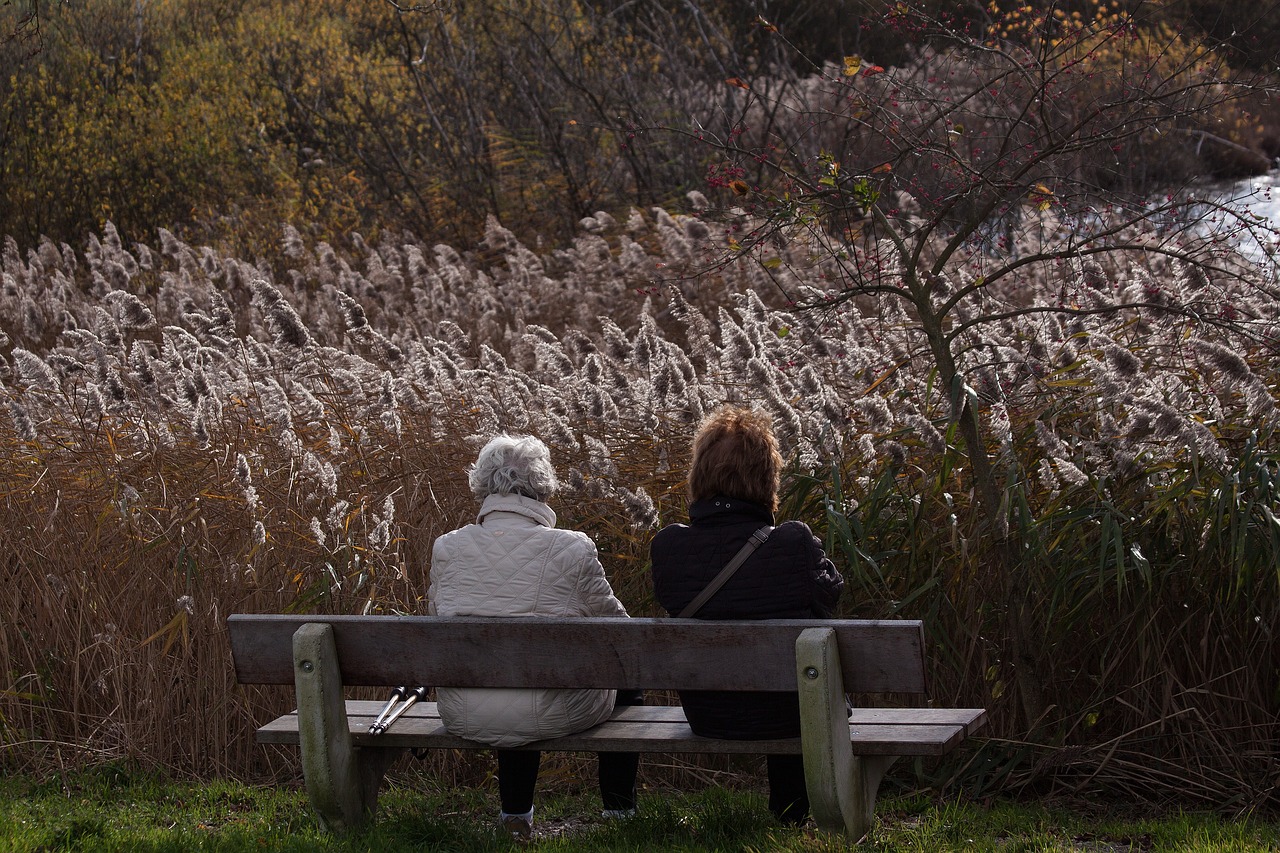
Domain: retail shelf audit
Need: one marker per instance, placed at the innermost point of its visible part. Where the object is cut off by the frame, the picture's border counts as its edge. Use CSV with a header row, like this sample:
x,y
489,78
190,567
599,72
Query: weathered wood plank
x,y
330,765
362,712
837,787
659,734
876,656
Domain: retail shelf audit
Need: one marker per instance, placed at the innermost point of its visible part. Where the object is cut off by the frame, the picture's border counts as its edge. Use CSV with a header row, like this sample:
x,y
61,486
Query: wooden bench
x,y
845,756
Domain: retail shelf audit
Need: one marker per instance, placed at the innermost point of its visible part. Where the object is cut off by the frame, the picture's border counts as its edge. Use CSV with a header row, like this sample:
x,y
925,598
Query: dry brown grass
x,y
129,532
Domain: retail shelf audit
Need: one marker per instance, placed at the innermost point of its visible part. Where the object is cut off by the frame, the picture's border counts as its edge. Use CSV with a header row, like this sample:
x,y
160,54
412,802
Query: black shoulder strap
x,y
756,540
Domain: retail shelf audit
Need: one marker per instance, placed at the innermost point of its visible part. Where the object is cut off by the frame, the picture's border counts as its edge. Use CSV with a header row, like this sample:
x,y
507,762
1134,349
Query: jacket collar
x,y
722,510
534,510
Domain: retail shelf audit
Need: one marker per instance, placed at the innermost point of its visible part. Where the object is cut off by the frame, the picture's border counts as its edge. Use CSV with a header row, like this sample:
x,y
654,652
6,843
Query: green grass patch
x,y
113,809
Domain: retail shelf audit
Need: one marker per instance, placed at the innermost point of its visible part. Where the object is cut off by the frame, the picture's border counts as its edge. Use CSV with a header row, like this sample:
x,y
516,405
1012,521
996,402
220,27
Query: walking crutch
x,y
396,695
415,695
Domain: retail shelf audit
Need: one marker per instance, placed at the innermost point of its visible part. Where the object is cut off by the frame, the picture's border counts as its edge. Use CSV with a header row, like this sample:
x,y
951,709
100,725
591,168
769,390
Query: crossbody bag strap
x,y
756,540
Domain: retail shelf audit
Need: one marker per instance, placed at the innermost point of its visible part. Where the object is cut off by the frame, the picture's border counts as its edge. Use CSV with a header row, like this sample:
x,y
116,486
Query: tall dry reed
x,y
189,435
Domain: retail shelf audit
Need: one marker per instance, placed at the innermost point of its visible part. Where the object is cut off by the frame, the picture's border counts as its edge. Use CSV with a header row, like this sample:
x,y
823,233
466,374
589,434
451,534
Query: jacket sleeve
x,y
667,589
437,565
827,580
594,592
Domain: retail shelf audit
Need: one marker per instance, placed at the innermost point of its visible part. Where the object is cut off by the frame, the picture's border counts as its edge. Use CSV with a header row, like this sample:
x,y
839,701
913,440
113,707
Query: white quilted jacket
x,y
514,562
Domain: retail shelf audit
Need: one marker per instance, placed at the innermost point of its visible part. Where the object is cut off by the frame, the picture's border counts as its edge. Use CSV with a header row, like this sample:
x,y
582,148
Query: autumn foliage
x,y
265,290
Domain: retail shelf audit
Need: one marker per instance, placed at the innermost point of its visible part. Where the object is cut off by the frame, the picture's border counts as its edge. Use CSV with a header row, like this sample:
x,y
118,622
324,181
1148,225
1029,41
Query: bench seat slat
x,y
881,731
971,718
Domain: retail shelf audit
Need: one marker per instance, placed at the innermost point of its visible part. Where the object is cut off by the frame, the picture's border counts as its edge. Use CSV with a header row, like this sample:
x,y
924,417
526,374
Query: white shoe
x,y
518,826
618,814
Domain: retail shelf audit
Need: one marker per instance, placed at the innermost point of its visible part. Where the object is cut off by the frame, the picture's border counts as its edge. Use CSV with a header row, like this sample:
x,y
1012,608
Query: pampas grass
x,y
190,435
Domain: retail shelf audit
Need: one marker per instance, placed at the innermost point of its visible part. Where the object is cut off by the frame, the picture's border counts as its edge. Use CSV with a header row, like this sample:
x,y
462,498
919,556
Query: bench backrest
x,y
876,656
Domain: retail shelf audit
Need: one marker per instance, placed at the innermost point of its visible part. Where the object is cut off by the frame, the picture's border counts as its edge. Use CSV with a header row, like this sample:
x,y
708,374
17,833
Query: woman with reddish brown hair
x,y
733,495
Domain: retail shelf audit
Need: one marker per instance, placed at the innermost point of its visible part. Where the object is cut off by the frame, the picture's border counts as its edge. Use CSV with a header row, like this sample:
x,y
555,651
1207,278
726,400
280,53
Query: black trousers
x,y
518,772
788,797
518,775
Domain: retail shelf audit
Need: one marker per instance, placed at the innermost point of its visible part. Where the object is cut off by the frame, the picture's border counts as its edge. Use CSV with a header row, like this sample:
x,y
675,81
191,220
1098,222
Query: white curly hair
x,y
513,465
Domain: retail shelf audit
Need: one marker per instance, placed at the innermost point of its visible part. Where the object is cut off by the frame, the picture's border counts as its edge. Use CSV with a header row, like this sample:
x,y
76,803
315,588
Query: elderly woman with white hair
x,y
513,561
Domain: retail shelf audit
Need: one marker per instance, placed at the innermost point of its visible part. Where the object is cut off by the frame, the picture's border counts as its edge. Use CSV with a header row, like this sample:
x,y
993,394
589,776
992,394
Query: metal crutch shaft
x,y
415,695
396,696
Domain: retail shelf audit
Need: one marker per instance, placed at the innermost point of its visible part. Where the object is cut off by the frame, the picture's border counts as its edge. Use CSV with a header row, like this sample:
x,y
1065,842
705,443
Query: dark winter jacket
x,y
788,577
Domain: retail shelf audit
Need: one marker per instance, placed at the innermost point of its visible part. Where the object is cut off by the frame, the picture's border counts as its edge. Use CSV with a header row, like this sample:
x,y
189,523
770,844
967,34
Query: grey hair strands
x,y
513,465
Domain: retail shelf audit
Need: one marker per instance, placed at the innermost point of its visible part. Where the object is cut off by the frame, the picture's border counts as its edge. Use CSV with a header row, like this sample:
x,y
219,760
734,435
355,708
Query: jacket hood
x,y
507,508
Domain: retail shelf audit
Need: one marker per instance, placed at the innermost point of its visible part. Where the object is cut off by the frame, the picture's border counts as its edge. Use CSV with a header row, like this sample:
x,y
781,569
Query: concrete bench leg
x,y
342,780
842,787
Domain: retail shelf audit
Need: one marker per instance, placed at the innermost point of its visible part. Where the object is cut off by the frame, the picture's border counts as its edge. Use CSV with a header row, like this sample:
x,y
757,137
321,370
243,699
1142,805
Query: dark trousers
x,y
518,772
788,797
